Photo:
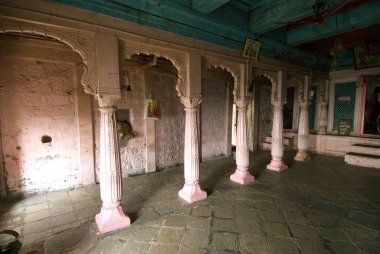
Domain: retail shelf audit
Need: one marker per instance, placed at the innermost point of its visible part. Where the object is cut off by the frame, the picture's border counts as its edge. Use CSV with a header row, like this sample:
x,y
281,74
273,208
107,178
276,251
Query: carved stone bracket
x,y
107,100
80,41
231,67
242,103
178,59
191,102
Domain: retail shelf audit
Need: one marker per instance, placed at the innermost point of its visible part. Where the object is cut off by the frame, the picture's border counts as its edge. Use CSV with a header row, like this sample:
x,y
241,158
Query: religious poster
x,y
151,108
251,49
344,127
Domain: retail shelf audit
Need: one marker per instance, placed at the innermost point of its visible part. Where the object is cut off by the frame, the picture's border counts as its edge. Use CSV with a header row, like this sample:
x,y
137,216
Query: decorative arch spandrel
x,y
80,41
272,77
177,58
232,67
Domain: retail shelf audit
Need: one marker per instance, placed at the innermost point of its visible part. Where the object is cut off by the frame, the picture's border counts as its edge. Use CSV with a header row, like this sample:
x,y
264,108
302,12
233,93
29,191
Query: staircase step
x,y
363,160
365,149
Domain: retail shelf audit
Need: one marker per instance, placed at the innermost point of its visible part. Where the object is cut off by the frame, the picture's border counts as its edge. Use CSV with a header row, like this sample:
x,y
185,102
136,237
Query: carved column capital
x,y
191,102
304,105
242,103
278,104
107,100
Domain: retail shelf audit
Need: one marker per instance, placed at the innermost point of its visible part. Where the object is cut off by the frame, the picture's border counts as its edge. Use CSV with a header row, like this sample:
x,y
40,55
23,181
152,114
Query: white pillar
x,y
303,126
242,174
322,128
111,216
303,133
191,191
277,148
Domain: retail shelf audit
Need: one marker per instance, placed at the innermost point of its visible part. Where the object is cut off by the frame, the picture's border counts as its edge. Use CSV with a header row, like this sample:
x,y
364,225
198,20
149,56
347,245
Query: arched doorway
x,y
46,115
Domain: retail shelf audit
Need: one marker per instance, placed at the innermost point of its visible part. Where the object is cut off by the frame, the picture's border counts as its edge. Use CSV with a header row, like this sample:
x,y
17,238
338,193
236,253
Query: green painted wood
x,y
344,103
364,16
207,6
312,108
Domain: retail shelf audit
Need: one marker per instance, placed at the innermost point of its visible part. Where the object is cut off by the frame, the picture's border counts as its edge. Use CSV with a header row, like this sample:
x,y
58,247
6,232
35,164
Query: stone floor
x,y
320,206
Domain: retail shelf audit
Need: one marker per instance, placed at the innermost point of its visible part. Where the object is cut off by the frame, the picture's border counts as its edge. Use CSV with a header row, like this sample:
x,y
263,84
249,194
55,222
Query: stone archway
x,y
80,41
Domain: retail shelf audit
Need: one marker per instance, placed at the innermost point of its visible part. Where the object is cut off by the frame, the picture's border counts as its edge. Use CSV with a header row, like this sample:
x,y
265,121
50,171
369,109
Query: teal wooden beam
x,y
207,6
361,17
269,15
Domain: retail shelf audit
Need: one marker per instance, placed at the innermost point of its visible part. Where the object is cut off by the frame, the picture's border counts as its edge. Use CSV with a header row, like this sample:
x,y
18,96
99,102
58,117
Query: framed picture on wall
x,y
251,49
366,56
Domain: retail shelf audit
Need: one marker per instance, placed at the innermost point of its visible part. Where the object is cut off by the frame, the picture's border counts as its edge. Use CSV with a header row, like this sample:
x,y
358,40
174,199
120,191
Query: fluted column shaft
x,y
242,174
191,191
303,128
277,148
322,129
111,216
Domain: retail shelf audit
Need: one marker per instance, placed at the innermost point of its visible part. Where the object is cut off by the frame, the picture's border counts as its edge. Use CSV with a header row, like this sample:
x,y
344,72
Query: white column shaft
x,y
242,152
110,177
191,147
277,148
323,119
303,129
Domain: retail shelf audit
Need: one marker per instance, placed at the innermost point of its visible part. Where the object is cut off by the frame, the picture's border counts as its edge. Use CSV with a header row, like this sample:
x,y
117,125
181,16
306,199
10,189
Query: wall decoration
x,y
366,56
251,49
344,127
151,108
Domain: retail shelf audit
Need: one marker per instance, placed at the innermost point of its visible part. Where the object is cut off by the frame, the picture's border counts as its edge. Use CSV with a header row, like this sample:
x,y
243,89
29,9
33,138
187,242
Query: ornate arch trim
x,y
80,41
177,58
232,67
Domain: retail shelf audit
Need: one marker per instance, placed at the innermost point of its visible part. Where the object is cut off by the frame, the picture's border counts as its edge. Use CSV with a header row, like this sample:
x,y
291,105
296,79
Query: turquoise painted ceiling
x,y
297,31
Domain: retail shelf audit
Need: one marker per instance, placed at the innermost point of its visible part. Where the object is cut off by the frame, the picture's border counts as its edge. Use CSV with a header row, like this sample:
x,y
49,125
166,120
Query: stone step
x,y
287,141
363,160
290,134
365,149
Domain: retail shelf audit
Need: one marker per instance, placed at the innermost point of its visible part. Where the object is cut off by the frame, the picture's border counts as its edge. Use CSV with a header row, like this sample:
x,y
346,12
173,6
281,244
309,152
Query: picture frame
x,y
366,56
251,49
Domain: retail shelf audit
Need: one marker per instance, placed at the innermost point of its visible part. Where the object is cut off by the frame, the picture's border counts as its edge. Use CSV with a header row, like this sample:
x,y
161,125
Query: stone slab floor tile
x,y
344,247
225,225
247,214
203,211
224,241
271,216
170,236
144,233
360,234
332,234
280,245
200,223
276,229
177,220
303,231
319,219
312,246
186,250
196,238
36,216
248,226
134,247
253,244
224,213
162,249
296,218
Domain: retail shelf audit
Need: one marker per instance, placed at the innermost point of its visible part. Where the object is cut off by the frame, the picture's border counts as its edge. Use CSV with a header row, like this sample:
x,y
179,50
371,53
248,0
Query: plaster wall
x,y
265,114
215,115
38,98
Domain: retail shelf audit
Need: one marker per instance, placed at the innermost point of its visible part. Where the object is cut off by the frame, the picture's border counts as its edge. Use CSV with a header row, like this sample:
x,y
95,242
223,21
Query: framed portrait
x,y
366,56
151,108
251,49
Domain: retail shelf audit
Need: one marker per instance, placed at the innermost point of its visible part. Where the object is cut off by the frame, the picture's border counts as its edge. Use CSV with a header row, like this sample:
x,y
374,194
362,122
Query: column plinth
x,y
242,175
111,216
277,148
191,191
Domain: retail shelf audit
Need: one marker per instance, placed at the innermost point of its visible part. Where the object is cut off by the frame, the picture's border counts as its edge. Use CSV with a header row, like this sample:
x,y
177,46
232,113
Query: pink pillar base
x,y
242,177
277,165
110,219
302,156
192,193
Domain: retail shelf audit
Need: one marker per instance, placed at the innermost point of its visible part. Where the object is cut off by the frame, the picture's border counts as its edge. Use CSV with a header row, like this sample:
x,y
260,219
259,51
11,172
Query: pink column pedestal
x,y
242,177
277,165
192,193
110,219
302,156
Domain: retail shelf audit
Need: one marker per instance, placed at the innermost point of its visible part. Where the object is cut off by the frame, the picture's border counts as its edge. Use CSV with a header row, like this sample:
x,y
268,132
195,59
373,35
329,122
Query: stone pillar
x,y
323,103
303,126
111,216
242,174
191,191
277,148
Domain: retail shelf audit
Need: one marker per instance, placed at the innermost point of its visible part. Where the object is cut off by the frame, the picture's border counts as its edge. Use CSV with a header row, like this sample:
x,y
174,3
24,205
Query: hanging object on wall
x,y
251,49
151,108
